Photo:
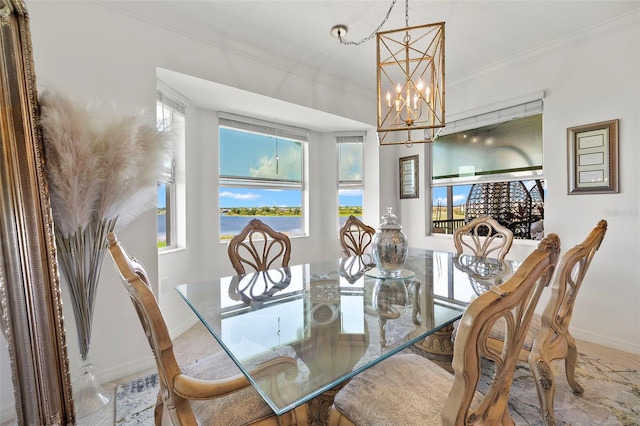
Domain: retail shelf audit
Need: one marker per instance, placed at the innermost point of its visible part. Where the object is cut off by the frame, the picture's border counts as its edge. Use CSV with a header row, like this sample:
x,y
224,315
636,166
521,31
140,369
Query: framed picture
x,y
593,158
409,177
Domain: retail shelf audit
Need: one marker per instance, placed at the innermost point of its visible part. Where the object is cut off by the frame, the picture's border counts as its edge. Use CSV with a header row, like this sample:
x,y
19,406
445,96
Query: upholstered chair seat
x,y
238,408
387,386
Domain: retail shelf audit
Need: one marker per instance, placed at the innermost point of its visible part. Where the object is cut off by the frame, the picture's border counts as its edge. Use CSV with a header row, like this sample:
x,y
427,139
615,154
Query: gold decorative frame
x,y
593,158
409,187
30,302
410,81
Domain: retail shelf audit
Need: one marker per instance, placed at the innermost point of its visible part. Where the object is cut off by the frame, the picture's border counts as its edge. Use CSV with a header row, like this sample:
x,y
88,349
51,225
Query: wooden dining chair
x,y
548,338
411,390
483,236
212,391
355,237
259,246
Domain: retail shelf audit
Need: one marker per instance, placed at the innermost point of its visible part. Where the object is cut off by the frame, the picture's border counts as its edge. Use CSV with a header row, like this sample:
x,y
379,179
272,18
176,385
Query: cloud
x,y
350,192
228,194
459,198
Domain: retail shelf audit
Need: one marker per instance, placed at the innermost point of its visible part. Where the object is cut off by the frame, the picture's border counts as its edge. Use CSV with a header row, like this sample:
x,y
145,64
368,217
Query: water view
x,y
233,225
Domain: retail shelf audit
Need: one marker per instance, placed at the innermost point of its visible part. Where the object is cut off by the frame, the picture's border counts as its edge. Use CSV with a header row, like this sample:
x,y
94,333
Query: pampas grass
x,y
102,167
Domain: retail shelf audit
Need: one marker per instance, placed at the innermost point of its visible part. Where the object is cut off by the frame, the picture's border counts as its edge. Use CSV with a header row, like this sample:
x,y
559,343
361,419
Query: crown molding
x,y
218,40
588,35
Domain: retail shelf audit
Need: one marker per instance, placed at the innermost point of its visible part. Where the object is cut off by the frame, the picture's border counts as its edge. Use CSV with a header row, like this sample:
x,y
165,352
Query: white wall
x,y
586,81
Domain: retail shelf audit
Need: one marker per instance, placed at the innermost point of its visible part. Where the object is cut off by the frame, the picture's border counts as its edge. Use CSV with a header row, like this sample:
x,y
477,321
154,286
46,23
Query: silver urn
x,y
390,246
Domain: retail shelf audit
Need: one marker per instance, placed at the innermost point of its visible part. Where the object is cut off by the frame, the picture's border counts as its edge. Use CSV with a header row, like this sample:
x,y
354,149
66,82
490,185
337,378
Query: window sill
x,y
171,250
291,237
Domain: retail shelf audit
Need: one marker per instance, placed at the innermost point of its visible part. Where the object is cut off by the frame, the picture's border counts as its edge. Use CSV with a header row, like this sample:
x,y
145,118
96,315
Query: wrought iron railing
x,y
446,226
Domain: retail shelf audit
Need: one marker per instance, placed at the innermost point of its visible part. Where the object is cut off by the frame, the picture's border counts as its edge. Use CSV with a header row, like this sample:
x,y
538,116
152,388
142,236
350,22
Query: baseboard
x,y
146,363
599,339
120,371
187,324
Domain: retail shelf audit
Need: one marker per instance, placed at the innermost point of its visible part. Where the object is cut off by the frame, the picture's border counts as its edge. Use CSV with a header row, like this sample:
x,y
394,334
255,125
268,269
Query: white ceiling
x,y
480,34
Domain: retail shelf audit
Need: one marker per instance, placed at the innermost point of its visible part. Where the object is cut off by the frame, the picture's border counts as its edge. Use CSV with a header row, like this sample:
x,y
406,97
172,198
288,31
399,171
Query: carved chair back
x,y
258,246
483,236
136,282
513,302
553,340
355,237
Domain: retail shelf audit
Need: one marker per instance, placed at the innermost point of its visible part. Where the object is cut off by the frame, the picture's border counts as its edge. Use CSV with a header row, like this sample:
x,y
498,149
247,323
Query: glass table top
x,y
333,319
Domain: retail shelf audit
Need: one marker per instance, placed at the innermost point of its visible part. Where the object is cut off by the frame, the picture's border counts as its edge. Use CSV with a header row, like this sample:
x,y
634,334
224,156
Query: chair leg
x,y
545,385
570,365
157,412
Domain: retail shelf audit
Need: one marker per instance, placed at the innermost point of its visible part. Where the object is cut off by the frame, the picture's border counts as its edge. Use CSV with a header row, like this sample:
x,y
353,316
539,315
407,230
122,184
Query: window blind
x,y
501,145
262,127
350,160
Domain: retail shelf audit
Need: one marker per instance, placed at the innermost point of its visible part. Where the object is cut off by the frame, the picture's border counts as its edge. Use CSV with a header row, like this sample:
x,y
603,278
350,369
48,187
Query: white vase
x,y
80,258
89,396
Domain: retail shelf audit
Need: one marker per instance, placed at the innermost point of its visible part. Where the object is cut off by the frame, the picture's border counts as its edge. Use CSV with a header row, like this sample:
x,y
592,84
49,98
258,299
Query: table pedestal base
x,y
438,347
318,407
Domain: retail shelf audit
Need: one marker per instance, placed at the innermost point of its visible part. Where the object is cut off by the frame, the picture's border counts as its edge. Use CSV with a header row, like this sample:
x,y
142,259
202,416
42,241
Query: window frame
x,y
350,184
279,131
524,108
175,107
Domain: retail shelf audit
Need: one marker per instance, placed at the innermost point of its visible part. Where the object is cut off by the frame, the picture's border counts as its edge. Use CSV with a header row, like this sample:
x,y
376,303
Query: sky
x,y
249,197
460,193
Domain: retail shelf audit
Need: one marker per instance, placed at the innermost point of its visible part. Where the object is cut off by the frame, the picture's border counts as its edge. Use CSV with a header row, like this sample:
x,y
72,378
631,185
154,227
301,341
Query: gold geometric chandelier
x,y
410,81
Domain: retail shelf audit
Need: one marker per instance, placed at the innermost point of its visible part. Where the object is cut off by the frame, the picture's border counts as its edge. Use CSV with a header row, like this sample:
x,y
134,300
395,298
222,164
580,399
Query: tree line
x,y
280,211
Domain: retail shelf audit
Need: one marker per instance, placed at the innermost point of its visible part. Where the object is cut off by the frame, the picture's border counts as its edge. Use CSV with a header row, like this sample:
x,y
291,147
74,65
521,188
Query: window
x,y
350,176
491,164
170,116
261,175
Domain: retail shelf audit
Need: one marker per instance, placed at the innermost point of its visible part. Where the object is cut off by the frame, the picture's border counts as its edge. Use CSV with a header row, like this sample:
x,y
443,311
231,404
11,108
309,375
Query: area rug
x,y
611,396
136,400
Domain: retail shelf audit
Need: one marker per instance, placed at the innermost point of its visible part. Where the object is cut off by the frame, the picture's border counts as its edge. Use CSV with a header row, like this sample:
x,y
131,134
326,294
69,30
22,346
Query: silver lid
x,y
390,221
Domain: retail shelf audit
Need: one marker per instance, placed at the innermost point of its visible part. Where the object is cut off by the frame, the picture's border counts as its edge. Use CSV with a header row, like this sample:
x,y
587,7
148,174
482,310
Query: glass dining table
x,y
335,319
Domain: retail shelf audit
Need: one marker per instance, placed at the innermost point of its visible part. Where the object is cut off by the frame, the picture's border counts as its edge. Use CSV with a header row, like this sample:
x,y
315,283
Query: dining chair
x,y
409,389
482,237
548,338
355,237
258,246
211,391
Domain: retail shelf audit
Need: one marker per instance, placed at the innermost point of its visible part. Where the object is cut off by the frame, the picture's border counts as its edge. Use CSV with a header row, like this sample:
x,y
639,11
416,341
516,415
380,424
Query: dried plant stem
x,y
102,167
80,255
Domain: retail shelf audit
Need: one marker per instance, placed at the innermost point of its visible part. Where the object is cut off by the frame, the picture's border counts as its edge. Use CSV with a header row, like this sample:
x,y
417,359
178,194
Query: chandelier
x,y
410,81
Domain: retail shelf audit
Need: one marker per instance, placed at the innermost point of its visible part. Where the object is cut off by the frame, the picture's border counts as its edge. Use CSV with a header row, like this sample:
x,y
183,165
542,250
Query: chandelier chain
x,y
406,13
373,34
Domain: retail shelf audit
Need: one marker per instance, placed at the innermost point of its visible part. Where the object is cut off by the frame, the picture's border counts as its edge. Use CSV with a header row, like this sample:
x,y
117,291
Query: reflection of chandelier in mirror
x,y
410,81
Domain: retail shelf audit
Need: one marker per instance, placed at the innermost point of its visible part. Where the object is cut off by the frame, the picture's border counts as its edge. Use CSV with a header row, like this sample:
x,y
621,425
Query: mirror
x,y
409,177
30,302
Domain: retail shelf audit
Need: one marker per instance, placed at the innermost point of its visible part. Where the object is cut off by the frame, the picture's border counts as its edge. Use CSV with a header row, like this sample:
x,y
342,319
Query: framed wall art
x,y
593,158
409,177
